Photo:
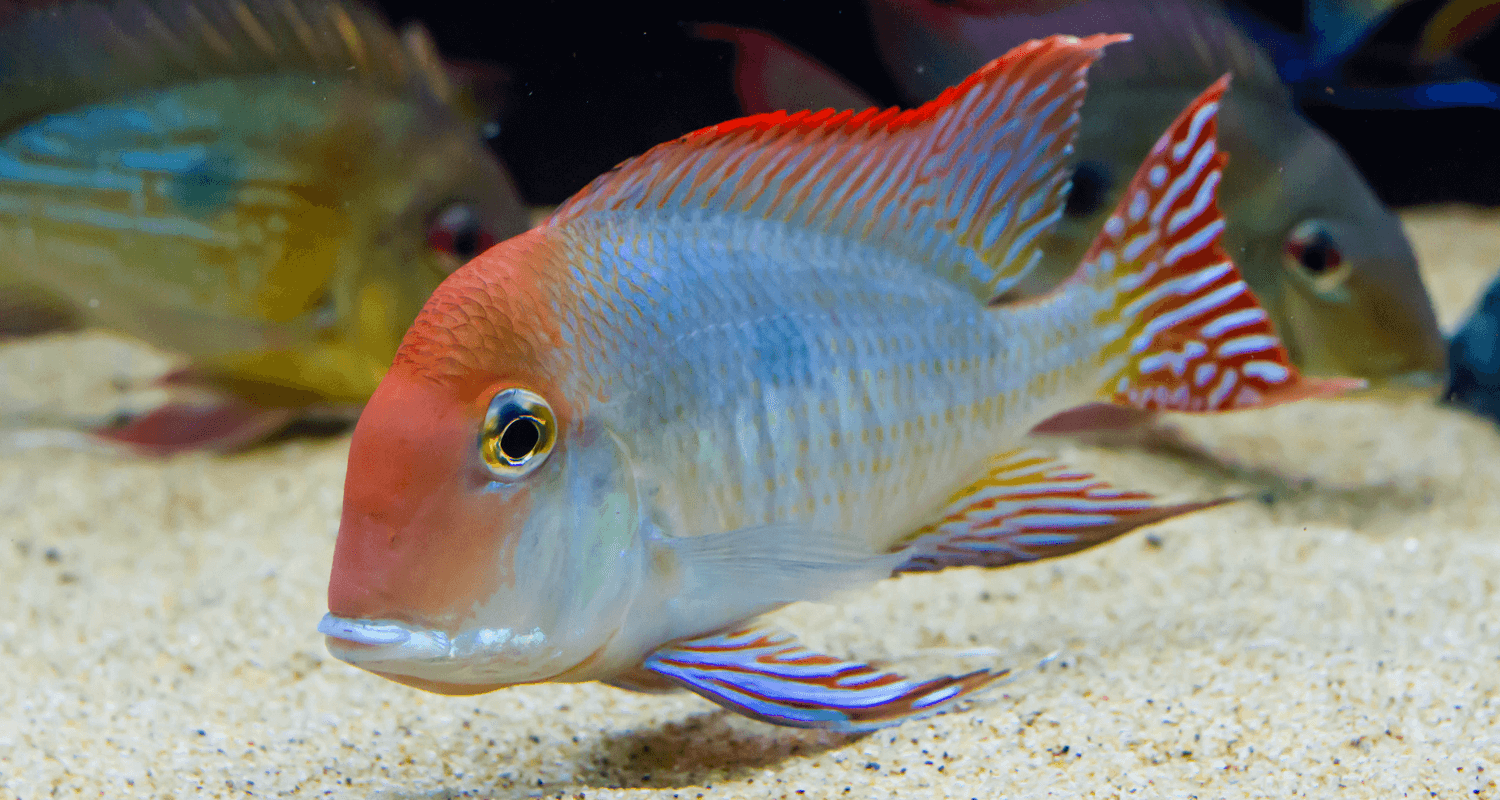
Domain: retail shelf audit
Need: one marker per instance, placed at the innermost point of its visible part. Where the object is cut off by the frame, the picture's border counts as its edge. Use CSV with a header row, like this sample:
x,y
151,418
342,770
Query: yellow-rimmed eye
x,y
518,434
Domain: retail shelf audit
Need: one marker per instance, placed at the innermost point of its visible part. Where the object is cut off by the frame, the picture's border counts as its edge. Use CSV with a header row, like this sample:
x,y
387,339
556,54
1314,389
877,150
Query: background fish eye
x,y
518,435
458,231
1313,253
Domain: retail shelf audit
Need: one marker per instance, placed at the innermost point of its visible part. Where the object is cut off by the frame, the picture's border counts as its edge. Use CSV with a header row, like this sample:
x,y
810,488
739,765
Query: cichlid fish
x,y
1475,358
762,363
1330,263
269,187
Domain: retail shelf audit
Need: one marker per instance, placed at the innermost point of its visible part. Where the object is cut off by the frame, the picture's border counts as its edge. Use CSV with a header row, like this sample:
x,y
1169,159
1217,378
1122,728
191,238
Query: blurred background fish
x,y
1391,53
1475,354
271,188
1330,262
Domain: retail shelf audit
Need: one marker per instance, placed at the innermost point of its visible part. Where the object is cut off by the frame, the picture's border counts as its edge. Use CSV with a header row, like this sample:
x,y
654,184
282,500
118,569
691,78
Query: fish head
x,y
449,201
1352,301
489,534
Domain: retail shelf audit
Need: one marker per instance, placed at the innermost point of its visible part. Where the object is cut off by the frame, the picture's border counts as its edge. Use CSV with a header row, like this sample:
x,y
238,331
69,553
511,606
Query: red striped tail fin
x,y
1191,334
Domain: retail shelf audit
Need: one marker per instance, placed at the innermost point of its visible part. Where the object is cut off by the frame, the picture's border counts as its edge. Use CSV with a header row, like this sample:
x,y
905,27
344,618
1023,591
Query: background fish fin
x,y
25,311
1180,42
1027,507
1456,24
965,184
69,54
770,676
771,75
180,427
1188,334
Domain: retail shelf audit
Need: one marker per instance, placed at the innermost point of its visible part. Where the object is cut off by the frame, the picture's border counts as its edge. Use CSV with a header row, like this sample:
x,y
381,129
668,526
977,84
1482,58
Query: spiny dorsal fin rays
x,y
965,184
1191,334
82,51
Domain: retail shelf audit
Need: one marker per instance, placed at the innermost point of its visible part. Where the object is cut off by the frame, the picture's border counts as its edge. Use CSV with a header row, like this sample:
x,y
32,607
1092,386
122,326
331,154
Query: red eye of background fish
x,y
458,231
1314,250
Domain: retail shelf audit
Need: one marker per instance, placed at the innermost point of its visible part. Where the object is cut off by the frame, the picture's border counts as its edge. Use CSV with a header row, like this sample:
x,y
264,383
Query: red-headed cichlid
x,y
765,362
269,187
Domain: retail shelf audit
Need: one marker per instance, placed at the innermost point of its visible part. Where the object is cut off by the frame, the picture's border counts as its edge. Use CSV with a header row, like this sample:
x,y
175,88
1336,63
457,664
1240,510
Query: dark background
x,y
592,84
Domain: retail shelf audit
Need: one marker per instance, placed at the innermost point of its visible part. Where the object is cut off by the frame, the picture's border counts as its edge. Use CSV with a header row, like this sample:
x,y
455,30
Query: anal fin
x,y
770,676
1029,507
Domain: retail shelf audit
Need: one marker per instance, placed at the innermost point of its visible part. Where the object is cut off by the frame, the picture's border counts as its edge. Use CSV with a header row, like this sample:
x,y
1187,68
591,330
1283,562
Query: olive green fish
x,y
271,188
1329,262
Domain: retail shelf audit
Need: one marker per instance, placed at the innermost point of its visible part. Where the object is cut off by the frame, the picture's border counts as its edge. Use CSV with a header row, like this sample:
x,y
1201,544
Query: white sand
x,y
1339,637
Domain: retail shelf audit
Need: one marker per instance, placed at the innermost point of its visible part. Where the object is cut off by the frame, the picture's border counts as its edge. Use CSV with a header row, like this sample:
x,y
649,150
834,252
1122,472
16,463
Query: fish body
x,y
1475,357
275,208
1328,260
766,362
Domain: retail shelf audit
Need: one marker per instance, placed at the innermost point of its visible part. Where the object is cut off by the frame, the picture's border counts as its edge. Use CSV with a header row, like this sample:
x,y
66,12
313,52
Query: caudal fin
x,y
1190,335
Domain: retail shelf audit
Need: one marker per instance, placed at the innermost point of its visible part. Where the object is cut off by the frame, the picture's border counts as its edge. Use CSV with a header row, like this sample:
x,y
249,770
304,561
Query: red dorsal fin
x,y
964,185
1192,336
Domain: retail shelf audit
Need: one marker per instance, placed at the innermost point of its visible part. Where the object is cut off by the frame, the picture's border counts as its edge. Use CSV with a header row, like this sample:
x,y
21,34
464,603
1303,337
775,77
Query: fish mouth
x,y
470,662
361,641
1425,384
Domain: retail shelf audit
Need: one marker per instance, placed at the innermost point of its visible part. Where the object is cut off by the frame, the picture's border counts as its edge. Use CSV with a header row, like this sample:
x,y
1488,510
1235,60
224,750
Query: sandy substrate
x,y
1336,636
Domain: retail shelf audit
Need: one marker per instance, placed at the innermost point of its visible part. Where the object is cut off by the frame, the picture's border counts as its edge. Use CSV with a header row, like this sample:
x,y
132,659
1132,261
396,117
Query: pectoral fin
x,y
770,676
1029,507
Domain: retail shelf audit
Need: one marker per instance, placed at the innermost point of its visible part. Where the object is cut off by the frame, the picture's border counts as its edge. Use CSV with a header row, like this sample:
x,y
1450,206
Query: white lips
x,y
375,641
370,634
391,646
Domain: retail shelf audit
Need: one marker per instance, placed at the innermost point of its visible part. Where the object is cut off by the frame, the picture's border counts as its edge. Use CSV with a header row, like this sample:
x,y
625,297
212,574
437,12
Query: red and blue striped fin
x,y
965,185
1192,336
1029,507
770,676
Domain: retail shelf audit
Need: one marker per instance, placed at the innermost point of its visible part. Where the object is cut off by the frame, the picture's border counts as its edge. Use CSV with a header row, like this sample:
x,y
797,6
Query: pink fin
x,y
1193,337
772,677
1029,507
1094,418
771,75
177,427
965,184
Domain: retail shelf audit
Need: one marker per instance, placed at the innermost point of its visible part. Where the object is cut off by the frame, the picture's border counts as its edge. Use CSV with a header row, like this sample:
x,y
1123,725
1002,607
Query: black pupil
x,y
520,438
466,239
1091,183
1318,255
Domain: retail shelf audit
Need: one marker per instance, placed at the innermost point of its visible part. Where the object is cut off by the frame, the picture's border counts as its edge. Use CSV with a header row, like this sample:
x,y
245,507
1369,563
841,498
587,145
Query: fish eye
x,y
518,435
458,231
1314,255
1089,189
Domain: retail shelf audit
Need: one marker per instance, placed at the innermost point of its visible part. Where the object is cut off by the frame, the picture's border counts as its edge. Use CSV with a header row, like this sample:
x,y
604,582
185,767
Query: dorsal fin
x,y
965,184
55,56
771,75
1189,43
